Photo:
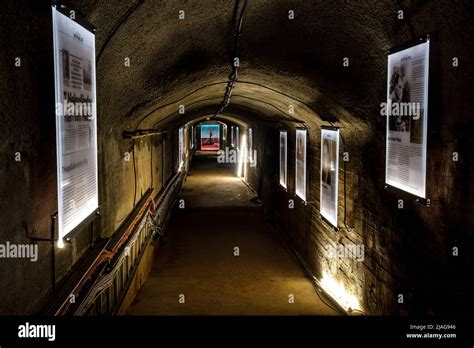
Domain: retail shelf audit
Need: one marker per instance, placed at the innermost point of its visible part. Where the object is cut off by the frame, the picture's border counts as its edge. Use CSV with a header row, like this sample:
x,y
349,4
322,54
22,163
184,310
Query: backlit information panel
x,y
180,147
210,137
407,119
329,174
300,185
283,158
76,122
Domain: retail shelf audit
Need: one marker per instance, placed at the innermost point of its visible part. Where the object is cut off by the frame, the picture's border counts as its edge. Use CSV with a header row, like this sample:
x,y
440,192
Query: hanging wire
x,y
235,65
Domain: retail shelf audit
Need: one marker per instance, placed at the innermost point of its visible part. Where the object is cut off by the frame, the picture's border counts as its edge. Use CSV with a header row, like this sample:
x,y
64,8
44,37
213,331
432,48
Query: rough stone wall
x,y
407,251
28,191
28,187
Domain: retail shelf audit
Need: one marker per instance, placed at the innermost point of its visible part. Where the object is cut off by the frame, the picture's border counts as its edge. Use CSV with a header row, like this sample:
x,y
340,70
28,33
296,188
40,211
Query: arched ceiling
x,y
188,61
222,118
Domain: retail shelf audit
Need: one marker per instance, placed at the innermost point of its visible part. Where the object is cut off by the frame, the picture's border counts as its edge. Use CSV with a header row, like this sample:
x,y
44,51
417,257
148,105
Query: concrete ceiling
x,y
188,61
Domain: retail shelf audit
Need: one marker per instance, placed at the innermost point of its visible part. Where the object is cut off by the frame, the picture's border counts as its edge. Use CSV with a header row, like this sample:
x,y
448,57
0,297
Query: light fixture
x,y
60,243
339,293
242,157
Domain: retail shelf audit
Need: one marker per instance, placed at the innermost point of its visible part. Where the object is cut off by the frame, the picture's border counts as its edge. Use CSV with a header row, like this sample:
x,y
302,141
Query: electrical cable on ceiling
x,y
209,85
235,95
235,64
131,111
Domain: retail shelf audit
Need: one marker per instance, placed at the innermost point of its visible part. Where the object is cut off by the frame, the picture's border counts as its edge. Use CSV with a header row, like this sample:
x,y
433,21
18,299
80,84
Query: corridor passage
x,y
198,260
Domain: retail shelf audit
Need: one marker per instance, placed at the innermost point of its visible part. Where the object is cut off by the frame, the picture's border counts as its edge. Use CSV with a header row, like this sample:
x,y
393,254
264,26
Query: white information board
x,y
237,137
329,174
250,144
283,158
407,119
300,179
76,122
181,147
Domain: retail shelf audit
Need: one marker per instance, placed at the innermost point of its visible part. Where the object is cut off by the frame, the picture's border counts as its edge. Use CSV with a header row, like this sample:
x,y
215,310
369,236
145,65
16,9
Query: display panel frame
x,y
300,162
284,159
76,122
180,148
250,145
329,175
408,144
214,130
237,137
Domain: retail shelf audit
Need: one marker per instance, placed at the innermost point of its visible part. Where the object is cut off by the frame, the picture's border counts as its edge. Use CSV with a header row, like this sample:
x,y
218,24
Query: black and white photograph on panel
x,y
407,119
181,147
300,177
250,145
237,137
76,123
329,174
283,158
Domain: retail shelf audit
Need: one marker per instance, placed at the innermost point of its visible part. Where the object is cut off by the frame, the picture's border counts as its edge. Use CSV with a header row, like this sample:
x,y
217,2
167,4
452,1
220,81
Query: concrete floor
x,y
198,260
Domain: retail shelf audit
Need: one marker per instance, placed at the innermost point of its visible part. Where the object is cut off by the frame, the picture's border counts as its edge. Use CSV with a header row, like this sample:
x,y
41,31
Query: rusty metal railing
x,y
102,288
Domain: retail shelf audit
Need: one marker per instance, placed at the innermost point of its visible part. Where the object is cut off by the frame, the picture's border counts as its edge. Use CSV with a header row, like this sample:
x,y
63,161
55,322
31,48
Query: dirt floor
x,y
199,259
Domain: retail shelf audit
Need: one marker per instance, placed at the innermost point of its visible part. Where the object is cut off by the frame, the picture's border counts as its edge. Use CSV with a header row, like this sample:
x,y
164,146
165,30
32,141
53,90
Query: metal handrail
x,y
103,286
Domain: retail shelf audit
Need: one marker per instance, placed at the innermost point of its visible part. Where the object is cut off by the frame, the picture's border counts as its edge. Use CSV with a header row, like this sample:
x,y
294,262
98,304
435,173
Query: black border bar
x,y
315,330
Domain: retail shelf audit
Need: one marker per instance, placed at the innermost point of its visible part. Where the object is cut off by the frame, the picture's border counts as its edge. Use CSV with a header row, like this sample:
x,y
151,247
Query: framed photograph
x,y
181,147
76,123
407,119
237,137
300,178
329,174
210,137
250,144
283,158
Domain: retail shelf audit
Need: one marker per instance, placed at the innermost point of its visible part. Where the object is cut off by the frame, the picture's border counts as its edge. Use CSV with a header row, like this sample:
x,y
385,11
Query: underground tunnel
x,y
237,158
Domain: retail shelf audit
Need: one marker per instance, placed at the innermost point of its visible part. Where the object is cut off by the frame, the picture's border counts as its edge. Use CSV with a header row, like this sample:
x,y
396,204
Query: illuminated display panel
x,y
329,174
283,158
300,179
210,137
76,122
407,119
181,147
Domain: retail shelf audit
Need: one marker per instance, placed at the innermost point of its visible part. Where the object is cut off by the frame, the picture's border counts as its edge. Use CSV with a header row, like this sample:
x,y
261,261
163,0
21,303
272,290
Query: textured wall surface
x,y
283,62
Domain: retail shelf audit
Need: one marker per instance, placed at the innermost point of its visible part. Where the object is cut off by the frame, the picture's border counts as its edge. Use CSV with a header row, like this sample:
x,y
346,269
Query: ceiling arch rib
x,y
267,100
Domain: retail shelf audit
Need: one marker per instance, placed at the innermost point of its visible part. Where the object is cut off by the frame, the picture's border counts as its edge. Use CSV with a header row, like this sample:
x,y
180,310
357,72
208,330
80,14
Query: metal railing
x,y
108,290
102,288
